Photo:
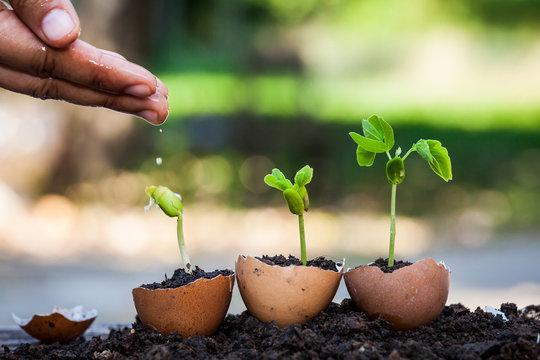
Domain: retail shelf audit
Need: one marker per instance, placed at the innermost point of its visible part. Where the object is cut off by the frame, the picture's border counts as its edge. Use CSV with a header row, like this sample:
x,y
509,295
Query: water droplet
x,y
149,205
159,161
160,130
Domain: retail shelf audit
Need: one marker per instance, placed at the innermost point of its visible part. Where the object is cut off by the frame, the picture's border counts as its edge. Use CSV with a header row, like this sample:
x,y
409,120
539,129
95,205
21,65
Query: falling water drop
x,y
149,205
159,161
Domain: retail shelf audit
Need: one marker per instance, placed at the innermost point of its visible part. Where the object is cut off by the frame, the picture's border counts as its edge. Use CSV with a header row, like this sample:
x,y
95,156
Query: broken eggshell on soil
x,y
61,325
197,308
407,298
285,294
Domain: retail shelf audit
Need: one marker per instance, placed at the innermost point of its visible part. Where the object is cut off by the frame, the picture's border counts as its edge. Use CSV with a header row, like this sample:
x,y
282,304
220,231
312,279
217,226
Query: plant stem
x,y
303,254
182,246
408,152
392,226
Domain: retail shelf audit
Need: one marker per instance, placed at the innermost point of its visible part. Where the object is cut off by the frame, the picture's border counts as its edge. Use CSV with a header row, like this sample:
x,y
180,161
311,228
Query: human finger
x,y
79,63
153,108
55,22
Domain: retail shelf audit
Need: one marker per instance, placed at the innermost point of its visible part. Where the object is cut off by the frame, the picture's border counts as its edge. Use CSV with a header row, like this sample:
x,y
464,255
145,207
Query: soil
x,y
339,332
280,260
383,265
181,278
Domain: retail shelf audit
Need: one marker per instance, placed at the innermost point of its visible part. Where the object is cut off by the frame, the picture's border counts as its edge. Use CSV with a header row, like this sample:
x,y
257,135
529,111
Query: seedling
x,y
296,197
379,138
171,204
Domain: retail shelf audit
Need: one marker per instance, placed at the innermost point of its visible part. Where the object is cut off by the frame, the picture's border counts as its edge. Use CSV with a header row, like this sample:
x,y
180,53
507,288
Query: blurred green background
x,y
258,84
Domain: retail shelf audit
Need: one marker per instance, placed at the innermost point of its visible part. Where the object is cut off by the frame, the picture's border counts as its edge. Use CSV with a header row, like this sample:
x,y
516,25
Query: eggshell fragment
x,y
285,295
195,308
407,298
61,325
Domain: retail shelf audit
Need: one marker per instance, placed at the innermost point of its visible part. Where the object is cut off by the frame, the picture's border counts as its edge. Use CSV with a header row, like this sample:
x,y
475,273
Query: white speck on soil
x,y
494,312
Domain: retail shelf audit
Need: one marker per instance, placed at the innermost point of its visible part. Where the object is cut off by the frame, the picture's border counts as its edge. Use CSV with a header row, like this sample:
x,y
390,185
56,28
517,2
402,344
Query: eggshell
x,y
407,298
57,326
285,295
195,308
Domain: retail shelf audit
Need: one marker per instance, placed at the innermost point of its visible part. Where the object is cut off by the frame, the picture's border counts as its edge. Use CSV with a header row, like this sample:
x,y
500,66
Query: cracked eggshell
x,y
285,295
407,298
197,308
61,325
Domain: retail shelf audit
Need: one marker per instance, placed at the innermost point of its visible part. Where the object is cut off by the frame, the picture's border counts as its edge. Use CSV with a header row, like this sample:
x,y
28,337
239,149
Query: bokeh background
x,y
257,84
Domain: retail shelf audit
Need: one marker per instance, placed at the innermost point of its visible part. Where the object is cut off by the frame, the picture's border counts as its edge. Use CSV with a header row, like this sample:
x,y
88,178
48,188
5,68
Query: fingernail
x,y
138,90
148,115
57,24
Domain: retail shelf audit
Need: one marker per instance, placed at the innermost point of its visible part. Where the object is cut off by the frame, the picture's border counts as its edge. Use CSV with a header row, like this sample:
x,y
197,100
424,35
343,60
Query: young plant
x,y
296,196
171,204
379,138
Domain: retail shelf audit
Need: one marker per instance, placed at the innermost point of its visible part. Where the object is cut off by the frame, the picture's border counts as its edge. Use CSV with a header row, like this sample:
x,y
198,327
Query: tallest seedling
x,y
379,138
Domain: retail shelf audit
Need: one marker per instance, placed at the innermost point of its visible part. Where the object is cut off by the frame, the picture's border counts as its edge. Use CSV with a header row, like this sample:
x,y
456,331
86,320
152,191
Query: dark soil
x,y
339,332
280,260
181,278
383,265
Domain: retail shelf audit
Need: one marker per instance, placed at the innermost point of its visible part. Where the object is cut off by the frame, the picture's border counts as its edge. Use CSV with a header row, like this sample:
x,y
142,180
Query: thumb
x,y
55,22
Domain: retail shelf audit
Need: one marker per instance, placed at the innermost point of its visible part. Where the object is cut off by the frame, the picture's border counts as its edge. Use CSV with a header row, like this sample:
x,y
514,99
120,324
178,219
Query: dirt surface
x,y
181,278
383,265
280,260
339,332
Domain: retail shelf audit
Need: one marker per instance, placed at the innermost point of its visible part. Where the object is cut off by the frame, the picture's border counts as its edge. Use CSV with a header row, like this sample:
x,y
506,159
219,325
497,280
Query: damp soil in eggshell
x,y
406,295
187,304
282,290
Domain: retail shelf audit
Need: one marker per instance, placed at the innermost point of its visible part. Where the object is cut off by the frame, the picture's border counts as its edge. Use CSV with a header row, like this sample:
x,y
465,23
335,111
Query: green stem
x,y
408,152
182,246
392,226
388,154
302,240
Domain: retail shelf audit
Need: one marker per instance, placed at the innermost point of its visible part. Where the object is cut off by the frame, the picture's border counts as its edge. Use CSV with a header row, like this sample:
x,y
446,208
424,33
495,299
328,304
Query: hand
x,y
41,56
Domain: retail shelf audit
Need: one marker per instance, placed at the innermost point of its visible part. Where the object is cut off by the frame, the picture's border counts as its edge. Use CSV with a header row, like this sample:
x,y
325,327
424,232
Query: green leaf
x,y
303,176
422,148
364,158
294,201
381,128
302,191
277,180
371,145
278,174
371,131
440,163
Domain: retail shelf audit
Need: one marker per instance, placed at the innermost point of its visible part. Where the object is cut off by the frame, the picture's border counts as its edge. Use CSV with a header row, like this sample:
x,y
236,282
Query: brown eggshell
x,y
55,327
407,298
285,294
195,308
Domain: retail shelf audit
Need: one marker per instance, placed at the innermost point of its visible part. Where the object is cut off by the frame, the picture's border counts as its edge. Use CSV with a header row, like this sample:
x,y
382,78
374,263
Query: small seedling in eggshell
x,y
171,204
379,138
296,197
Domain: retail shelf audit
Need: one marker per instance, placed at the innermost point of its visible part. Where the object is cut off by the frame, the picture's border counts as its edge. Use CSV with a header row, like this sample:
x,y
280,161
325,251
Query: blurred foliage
x,y
262,83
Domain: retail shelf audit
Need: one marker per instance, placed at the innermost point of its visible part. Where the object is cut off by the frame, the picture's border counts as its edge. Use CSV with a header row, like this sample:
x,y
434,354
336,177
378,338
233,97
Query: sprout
x,y
171,204
379,138
296,197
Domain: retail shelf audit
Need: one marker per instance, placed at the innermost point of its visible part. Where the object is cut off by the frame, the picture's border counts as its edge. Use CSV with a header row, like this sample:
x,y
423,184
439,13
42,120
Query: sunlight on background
x,y
273,83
